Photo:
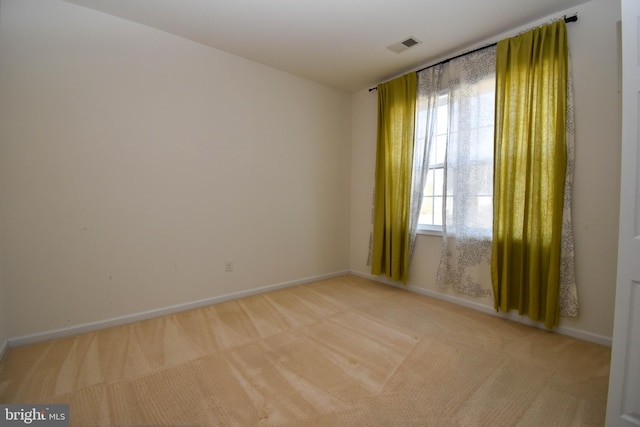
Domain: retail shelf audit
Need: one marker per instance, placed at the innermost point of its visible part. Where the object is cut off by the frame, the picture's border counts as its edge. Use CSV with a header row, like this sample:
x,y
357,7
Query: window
x,y
465,125
431,210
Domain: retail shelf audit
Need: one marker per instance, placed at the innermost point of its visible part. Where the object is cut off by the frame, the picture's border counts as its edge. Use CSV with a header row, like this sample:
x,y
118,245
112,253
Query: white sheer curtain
x,y
429,81
466,86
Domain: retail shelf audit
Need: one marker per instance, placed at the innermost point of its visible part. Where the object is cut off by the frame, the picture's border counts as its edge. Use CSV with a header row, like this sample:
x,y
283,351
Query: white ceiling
x,y
340,43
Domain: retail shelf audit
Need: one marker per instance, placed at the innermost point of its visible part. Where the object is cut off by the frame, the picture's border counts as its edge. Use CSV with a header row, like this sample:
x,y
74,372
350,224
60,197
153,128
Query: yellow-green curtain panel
x,y
394,159
529,171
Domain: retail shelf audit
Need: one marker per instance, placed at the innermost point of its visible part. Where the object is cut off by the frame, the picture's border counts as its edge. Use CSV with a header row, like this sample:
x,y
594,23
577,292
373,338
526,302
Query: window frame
x,y
436,229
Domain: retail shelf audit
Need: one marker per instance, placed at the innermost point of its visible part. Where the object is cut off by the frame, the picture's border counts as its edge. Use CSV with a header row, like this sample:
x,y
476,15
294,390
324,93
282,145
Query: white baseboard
x,y
575,333
107,323
144,315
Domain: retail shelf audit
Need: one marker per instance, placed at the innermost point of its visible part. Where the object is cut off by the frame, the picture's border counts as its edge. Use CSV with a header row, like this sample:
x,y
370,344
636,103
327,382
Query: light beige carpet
x,y
339,352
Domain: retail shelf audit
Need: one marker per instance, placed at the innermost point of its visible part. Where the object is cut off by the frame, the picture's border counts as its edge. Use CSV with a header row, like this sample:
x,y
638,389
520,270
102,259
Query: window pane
x,y
437,208
439,149
443,117
437,181
426,212
428,187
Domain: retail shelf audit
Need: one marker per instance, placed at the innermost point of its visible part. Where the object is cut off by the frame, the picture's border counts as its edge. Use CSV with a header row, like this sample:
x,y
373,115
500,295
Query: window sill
x,y
430,232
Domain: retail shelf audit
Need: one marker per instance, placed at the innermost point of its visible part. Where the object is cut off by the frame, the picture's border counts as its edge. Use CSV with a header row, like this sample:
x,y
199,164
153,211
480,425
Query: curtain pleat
x,y
568,286
394,157
529,172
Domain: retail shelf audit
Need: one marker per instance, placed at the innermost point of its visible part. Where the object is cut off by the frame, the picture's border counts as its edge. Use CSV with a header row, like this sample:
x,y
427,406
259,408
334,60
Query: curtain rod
x,y
567,19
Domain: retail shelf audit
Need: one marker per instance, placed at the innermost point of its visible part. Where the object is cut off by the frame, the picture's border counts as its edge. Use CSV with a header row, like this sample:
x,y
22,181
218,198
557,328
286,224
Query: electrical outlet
x,y
228,266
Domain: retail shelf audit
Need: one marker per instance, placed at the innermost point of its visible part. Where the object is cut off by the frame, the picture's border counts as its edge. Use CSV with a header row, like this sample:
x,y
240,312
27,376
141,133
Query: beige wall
x,y
593,43
4,332
134,163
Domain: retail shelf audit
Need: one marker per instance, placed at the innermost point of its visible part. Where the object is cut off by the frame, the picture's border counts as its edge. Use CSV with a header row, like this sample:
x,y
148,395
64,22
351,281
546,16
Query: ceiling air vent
x,y
410,42
404,45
